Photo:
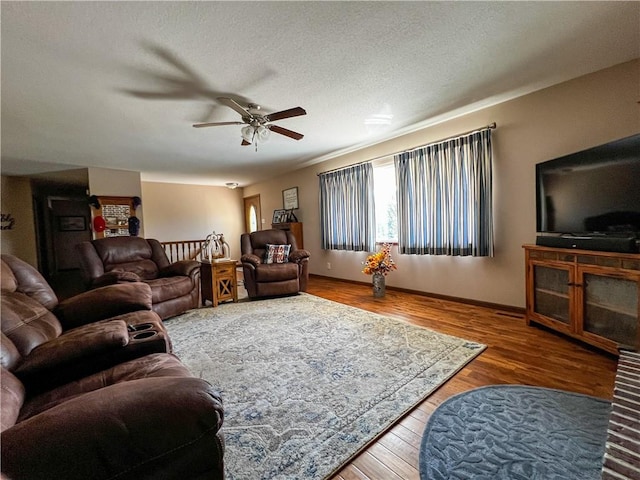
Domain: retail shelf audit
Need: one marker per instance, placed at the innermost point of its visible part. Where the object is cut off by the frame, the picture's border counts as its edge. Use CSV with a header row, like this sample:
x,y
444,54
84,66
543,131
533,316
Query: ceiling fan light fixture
x,y
258,127
247,133
263,133
231,185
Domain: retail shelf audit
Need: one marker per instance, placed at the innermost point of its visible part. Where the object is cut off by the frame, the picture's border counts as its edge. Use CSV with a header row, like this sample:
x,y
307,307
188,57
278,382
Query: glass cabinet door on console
x,y
609,305
551,302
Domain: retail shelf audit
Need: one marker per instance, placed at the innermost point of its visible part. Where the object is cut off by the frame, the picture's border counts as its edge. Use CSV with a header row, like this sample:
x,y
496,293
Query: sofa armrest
x,y
103,303
181,267
251,259
142,429
75,346
298,255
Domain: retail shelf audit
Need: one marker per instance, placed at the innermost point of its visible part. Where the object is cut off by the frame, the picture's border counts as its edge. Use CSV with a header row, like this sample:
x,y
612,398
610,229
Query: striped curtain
x,y
445,197
347,213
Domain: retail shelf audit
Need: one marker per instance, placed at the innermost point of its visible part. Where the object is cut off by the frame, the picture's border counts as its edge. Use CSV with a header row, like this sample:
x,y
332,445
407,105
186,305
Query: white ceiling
x,y
119,84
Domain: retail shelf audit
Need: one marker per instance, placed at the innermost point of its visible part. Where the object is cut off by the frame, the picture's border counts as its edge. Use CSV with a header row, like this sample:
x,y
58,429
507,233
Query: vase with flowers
x,y
378,265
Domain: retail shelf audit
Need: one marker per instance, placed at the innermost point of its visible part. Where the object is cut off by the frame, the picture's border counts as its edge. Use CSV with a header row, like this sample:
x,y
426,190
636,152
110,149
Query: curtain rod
x,y
491,126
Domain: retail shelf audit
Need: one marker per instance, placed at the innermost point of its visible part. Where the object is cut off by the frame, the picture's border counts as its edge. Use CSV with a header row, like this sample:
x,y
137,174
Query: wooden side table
x,y
218,281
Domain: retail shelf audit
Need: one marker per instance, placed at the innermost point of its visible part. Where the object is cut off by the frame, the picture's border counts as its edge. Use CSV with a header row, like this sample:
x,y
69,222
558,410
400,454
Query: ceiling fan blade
x,y
216,124
291,112
231,103
244,142
285,132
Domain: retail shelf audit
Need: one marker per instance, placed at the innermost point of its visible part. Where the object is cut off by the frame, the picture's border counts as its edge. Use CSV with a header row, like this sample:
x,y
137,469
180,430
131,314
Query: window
x,y
253,219
384,180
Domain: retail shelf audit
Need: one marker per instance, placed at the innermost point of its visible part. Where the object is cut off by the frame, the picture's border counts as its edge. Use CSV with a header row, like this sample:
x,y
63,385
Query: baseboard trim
x,y
520,311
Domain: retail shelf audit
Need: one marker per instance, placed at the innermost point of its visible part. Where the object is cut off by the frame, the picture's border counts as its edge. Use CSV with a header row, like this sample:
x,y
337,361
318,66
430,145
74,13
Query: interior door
x,y
252,214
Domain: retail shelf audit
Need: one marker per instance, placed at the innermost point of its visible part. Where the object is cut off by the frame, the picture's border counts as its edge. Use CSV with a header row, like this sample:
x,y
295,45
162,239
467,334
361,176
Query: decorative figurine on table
x,y
215,246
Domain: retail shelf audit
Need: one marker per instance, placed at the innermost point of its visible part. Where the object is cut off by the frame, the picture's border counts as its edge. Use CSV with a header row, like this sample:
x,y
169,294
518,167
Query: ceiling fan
x,y
258,126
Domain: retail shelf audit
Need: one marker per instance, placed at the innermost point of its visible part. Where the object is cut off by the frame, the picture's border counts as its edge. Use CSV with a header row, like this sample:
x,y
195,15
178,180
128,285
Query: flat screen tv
x,y
592,192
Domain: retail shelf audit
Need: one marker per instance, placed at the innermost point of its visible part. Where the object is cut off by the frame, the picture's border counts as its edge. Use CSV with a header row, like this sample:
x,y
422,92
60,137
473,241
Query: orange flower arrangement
x,y
380,262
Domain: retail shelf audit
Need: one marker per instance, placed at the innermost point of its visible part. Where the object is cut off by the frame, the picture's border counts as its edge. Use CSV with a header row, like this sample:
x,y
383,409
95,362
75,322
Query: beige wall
x,y
562,119
16,200
191,212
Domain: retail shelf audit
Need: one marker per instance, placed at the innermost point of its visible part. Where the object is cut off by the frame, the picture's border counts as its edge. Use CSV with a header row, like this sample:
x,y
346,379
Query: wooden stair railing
x,y
183,249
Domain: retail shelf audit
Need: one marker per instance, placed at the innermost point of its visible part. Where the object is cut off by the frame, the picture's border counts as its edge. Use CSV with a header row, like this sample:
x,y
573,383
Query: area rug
x,y
515,432
306,382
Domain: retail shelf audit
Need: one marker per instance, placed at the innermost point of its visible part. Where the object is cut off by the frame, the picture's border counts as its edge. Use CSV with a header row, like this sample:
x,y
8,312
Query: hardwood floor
x,y
516,354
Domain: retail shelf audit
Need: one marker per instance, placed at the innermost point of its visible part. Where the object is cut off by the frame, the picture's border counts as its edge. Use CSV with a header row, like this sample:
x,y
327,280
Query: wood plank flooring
x,y
516,354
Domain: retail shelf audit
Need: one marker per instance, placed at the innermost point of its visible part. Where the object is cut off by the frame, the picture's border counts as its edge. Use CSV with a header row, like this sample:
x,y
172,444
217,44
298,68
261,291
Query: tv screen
x,y
596,191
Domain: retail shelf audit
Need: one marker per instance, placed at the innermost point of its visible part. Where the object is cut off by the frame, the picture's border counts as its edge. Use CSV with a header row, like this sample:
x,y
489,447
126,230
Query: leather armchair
x,y
54,343
175,287
263,279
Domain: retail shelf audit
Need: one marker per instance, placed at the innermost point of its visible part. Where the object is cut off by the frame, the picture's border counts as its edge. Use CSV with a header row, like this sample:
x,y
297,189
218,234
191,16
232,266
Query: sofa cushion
x,y
11,399
168,288
9,355
26,322
145,269
127,254
31,282
276,272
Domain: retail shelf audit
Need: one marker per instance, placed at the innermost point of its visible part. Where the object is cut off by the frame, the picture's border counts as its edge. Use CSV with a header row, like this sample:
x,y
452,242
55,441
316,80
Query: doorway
x,y
252,214
62,220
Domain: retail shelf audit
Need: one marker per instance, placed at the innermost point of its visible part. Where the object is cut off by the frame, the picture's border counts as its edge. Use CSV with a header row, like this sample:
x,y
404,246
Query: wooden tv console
x,y
588,295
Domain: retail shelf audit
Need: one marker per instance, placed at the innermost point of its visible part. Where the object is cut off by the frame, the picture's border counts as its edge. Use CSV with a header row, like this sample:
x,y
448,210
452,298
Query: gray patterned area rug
x,y
306,382
515,432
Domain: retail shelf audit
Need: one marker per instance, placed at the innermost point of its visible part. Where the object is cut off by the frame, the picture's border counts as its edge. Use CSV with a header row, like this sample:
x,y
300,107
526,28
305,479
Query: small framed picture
x,y
72,224
290,198
279,216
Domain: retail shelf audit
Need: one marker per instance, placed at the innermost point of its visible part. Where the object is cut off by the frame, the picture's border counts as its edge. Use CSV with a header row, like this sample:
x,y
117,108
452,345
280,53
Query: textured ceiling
x,y
119,84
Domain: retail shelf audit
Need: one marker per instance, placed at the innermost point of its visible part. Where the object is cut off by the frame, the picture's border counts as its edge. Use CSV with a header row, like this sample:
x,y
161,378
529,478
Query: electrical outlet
x,y
328,265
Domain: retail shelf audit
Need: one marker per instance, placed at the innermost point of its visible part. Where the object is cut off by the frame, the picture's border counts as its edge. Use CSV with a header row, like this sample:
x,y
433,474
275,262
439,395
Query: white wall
x,y
191,212
559,120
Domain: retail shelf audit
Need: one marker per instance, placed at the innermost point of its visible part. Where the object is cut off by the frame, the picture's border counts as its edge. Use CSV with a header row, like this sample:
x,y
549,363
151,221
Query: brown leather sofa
x,y
262,279
175,286
60,342
85,395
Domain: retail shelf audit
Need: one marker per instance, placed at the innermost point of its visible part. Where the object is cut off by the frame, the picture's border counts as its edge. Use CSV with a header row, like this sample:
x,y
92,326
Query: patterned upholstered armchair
x,y
272,263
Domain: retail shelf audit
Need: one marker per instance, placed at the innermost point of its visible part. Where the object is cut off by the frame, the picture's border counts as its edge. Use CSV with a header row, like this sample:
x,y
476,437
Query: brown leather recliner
x,y
175,287
262,279
57,343
91,400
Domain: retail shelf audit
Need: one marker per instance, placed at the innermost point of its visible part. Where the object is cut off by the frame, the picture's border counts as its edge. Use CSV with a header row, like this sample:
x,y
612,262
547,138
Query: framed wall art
x,y
290,198
279,216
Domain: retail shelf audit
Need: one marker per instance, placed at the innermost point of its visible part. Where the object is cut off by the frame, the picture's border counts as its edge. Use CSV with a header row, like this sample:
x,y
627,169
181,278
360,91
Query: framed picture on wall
x,y
72,224
290,198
